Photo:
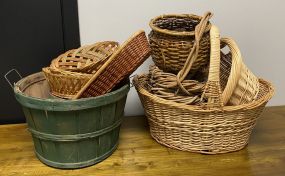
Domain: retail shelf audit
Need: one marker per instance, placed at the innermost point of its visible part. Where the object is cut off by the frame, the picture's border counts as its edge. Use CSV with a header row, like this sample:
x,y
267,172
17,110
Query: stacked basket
x,y
205,101
69,72
81,126
94,70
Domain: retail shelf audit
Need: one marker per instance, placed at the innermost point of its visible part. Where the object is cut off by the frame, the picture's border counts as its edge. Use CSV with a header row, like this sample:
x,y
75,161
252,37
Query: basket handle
x,y
212,89
199,31
7,79
235,72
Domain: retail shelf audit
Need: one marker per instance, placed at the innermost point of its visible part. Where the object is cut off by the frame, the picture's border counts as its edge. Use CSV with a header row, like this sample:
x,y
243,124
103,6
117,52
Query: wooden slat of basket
x,y
121,64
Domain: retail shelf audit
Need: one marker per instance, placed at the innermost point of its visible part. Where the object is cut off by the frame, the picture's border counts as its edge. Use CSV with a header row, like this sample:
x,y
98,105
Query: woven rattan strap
x,y
199,31
212,90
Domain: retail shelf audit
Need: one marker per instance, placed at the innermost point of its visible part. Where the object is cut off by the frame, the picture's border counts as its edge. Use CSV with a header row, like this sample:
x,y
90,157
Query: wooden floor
x,y
139,154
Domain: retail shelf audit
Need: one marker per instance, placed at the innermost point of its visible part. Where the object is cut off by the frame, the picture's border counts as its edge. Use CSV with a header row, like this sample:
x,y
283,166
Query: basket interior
x,y
265,89
175,23
36,86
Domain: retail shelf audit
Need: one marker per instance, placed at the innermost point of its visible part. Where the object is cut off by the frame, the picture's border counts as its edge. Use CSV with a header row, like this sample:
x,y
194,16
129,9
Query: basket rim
x,y
197,108
60,104
64,73
176,33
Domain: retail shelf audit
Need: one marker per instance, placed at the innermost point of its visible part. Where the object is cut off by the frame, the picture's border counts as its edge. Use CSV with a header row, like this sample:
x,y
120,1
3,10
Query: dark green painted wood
x,y
38,145
49,149
74,133
89,151
120,108
108,115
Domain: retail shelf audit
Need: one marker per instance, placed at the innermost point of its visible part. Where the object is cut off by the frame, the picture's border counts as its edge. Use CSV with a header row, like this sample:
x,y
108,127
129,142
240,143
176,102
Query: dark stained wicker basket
x,y
120,65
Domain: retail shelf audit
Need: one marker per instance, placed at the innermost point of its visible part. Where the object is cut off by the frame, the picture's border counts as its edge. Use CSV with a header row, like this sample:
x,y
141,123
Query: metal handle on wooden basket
x,y
6,77
212,89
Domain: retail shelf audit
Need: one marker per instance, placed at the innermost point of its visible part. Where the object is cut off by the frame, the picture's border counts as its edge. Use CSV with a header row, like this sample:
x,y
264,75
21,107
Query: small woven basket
x,y
210,128
65,84
120,65
86,59
172,38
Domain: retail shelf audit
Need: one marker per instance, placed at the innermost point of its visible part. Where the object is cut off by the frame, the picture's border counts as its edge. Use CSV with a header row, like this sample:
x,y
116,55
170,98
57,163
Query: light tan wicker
x,y
211,128
65,84
242,85
86,59
172,38
160,83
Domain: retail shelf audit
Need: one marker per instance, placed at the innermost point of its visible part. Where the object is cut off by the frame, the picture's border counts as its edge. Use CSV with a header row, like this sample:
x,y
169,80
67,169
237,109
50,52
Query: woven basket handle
x,y
199,31
212,89
235,69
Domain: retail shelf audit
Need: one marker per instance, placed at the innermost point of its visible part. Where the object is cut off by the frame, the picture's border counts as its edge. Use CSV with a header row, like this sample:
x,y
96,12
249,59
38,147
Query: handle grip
x,y
9,72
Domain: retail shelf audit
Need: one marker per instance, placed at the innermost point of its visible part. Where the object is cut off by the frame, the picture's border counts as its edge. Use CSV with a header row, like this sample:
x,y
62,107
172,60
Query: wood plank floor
x,y
139,154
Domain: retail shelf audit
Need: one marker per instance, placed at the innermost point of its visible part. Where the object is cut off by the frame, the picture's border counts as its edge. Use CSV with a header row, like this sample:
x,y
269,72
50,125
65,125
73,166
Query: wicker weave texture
x,y
65,84
242,85
208,128
121,64
171,40
192,128
86,59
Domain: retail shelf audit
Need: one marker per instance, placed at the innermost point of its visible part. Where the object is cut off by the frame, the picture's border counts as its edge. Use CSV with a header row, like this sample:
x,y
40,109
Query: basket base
x,y
76,165
208,152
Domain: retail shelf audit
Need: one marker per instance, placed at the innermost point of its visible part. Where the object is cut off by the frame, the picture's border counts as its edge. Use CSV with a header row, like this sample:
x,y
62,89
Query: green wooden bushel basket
x,y
70,133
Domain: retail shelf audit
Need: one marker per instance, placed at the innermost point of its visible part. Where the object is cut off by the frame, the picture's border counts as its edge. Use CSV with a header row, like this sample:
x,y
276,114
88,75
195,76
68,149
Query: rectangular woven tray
x,y
121,64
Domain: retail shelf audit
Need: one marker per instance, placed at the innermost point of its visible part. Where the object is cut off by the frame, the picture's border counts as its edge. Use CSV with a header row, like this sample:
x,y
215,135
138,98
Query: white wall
x,y
258,26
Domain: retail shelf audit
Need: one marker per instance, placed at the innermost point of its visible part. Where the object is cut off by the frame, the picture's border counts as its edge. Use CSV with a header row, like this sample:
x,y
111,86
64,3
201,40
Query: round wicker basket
x,y
65,84
172,38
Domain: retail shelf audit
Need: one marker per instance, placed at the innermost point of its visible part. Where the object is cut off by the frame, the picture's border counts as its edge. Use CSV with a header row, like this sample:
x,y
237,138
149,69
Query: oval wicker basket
x,y
211,128
172,38
86,59
65,84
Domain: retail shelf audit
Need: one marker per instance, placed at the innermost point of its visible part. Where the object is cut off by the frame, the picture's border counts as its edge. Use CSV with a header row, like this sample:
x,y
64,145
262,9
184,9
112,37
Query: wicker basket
x,y
211,128
241,85
65,84
172,38
120,65
86,59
